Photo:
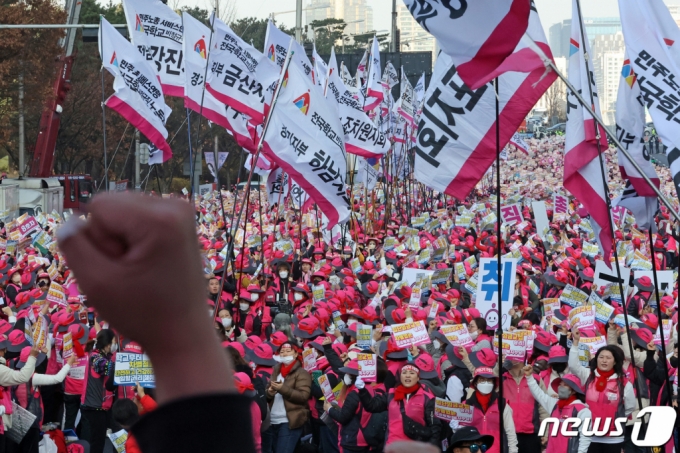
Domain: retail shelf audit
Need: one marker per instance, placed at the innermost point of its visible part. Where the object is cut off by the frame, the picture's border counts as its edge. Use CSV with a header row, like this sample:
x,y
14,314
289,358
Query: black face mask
x,y
674,362
559,367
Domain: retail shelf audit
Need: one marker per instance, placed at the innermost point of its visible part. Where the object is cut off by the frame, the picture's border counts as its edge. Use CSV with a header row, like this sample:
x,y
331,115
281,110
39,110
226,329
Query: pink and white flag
x,y
374,91
239,75
156,30
630,126
276,44
456,141
304,139
406,109
477,35
138,95
653,47
362,136
582,175
519,143
201,101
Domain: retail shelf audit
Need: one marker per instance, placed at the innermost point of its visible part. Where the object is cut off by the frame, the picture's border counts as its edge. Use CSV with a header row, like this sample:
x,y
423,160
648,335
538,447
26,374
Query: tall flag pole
x,y
609,236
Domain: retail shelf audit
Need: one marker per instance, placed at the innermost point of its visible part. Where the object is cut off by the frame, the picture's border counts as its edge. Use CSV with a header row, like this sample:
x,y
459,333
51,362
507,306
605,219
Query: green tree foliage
x,y
327,33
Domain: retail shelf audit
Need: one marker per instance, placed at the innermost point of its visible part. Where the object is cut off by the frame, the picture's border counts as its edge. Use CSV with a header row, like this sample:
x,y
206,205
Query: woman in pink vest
x,y
409,406
608,395
486,416
75,379
568,404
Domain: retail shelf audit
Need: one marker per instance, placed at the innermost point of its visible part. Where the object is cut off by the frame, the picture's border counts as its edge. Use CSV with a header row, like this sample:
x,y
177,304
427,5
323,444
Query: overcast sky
x,y
551,11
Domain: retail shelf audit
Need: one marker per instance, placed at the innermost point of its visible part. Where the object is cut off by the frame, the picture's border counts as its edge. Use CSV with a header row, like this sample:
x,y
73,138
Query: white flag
x,y
653,46
582,175
362,137
278,186
390,77
276,45
374,91
368,171
406,106
320,68
138,95
630,126
477,35
240,76
157,31
520,143
304,138
210,163
361,68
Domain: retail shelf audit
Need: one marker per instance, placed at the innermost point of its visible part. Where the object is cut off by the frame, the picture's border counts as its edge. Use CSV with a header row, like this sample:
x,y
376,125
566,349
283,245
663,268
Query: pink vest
x,y
75,378
256,418
607,404
560,443
415,409
488,424
524,406
631,373
5,401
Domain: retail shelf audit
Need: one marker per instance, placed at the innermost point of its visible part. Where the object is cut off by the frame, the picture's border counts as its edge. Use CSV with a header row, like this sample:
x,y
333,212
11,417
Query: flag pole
x,y
501,405
264,133
548,63
200,112
658,313
608,203
106,165
234,226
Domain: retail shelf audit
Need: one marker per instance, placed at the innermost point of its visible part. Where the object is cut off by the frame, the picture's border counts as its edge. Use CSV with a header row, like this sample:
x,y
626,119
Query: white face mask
x,y
287,360
299,296
351,321
474,334
244,307
254,297
114,347
436,344
347,379
226,322
485,387
283,274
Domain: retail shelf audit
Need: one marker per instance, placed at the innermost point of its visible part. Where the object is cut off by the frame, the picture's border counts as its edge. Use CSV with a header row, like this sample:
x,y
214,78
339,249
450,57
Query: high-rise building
x,y
607,60
559,33
413,37
356,13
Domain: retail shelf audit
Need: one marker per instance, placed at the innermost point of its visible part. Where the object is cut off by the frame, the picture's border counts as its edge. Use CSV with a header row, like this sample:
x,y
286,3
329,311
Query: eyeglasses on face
x,y
475,448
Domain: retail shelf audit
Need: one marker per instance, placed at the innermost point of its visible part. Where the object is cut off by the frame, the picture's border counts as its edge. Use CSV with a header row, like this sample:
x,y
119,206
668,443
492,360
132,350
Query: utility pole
x,y
298,21
22,134
393,33
137,181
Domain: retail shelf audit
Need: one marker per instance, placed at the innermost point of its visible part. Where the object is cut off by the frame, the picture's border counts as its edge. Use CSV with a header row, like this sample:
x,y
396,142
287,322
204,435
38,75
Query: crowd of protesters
x,y
281,287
